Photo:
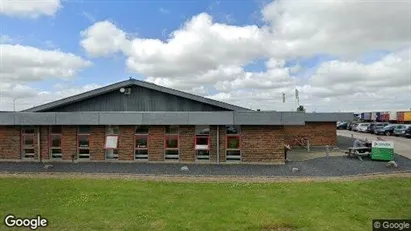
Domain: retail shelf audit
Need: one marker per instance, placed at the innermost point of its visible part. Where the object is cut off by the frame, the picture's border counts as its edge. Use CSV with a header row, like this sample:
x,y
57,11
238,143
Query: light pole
x,y
14,104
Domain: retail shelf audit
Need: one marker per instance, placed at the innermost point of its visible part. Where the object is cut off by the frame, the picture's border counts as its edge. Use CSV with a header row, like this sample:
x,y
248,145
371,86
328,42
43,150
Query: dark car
x,y
342,125
408,132
387,130
374,126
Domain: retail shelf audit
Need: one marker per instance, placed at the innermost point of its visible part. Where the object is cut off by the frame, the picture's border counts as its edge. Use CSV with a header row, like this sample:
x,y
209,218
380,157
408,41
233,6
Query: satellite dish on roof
x,y
122,90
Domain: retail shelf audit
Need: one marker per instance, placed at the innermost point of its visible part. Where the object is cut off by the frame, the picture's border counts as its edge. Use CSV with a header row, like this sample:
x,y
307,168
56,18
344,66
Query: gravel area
x,y
332,166
322,166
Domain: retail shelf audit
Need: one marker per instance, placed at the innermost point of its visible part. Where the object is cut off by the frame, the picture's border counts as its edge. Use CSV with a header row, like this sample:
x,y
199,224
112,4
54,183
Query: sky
x,y
340,55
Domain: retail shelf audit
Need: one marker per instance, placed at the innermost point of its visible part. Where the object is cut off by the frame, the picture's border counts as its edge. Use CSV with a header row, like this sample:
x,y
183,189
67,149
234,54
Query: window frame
x,y
199,136
51,148
83,148
106,134
23,146
227,149
167,136
141,157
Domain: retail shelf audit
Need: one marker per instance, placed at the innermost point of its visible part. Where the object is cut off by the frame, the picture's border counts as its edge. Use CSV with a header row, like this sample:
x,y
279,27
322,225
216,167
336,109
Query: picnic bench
x,y
359,152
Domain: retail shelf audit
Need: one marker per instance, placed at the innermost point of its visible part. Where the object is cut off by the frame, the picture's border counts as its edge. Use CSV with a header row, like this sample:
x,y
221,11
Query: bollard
x,y
308,145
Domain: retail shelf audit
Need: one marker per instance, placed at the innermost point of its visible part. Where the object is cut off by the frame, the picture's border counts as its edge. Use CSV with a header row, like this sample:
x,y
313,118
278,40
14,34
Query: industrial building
x,y
135,120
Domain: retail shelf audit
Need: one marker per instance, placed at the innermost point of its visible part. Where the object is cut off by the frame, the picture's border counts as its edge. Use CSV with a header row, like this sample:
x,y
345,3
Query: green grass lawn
x,y
113,204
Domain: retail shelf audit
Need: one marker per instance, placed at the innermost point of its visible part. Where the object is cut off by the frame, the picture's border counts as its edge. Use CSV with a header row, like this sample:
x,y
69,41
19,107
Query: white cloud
x,y
337,27
203,55
27,96
103,39
30,9
5,39
24,63
164,11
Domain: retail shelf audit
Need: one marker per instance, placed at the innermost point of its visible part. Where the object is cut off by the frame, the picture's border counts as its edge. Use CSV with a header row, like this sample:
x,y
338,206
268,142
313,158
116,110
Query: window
x,y
55,142
27,139
83,142
141,143
202,142
171,150
233,143
111,142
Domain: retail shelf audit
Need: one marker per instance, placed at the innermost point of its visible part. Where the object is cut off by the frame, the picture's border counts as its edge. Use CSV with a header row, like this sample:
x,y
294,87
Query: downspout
x,y
38,143
218,144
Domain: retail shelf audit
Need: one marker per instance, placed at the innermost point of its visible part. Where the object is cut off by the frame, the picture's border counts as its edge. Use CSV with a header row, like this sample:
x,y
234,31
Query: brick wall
x,y
319,133
126,143
44,142
213,143
262,143
69,142
97,140
9,142
156,143
222,143
186,145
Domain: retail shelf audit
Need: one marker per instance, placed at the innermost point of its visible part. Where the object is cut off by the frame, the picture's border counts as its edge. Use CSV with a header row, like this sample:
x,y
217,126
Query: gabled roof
x,y
131,82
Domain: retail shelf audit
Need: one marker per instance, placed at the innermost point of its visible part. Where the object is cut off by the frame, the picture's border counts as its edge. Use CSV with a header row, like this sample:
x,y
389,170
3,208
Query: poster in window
x,y
111,142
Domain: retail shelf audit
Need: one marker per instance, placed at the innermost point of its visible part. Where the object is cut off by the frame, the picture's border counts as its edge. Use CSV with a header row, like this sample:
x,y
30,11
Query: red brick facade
x,y
258,143
318,133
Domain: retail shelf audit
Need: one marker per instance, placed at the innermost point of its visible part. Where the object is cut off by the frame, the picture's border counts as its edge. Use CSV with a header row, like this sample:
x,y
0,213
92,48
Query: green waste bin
x,y
382,150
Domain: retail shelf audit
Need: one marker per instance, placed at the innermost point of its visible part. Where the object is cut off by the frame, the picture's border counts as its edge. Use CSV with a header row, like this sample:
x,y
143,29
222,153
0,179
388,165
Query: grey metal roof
x,y
115,86
168,118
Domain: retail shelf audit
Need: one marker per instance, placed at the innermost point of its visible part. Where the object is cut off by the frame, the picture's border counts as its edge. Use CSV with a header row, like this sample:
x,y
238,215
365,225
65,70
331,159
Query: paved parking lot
x,y
402,145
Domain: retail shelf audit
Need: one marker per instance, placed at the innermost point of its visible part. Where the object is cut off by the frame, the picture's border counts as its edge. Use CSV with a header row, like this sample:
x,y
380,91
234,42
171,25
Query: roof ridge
x,y
140,83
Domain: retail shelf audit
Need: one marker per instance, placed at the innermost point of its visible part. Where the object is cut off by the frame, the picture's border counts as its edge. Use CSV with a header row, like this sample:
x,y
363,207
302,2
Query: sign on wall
x,y
382,150
111,142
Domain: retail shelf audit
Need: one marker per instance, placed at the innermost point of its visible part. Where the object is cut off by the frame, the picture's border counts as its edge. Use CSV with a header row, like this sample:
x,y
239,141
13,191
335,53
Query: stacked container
x,y
367,116
385,116
373,116
407,116
378,116
393,115
400,116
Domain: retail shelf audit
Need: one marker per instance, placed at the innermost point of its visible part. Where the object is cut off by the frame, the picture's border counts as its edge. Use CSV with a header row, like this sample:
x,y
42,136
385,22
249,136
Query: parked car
x,y
373,126
408,132
400,129
342,125
354,127
362,127
386,130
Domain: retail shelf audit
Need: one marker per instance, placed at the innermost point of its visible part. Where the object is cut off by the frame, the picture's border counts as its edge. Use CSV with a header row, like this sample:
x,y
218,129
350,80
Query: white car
x,y
362,127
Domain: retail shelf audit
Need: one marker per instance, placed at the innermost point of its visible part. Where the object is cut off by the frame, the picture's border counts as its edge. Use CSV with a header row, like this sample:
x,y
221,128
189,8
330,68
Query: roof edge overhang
x,y
168,118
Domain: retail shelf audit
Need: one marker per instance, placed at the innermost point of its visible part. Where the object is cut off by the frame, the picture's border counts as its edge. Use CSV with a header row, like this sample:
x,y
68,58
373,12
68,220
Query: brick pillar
x,y
156,143
213,143
44,142
69,142
186,145
222,142
97,139
262,143
126,143
10,142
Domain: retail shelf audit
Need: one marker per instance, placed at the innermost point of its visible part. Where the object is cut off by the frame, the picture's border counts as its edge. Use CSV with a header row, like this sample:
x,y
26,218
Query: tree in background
x,y
301,108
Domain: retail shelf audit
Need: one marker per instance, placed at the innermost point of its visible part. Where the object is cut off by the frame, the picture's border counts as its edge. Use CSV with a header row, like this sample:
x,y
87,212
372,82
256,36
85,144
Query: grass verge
x,y
116,204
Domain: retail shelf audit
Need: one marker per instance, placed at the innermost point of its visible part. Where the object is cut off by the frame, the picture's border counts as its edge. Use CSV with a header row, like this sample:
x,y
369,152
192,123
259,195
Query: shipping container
x,y
373,116
385,116
362,116
393,115
367,116
407,116
378,116
400,116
